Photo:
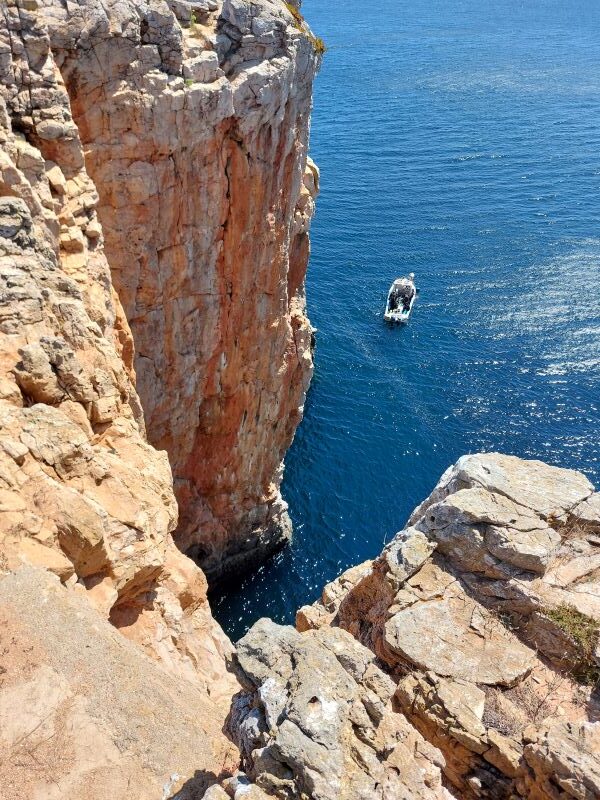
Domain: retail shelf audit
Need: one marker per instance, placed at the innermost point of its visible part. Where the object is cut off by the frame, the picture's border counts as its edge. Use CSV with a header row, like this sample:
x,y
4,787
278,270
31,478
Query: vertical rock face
x,y
194,118
82,493
190,146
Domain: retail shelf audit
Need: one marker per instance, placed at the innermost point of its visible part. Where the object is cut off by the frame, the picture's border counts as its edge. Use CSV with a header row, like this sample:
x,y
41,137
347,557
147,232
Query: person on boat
x,y
394,298
402,293
397,295
407,296
406,292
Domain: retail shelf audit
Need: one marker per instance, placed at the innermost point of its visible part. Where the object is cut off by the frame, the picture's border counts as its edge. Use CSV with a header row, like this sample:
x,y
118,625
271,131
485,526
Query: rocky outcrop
x,y
316,720
85,714
194,118
484,611
563,761
524,537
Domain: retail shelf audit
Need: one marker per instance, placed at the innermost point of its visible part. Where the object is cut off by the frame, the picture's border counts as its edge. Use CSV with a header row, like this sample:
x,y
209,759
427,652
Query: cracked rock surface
x,y
484,611
316,720
160,150
194,120
82,493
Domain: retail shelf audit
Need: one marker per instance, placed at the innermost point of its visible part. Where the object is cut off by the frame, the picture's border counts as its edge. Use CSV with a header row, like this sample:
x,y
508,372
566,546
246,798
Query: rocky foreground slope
x,y
464,661
160,148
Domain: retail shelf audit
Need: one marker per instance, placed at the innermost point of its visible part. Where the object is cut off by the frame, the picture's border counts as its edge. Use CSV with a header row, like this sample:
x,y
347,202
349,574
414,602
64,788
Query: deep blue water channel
x,y
459,139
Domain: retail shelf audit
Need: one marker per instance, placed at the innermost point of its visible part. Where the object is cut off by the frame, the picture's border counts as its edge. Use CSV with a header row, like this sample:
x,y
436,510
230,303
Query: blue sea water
x,y
459,139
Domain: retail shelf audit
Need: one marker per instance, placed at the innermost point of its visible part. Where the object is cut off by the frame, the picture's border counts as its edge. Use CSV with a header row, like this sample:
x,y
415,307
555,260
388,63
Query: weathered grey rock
x,y
455,637
407,552
497,535
588,510
459,705
533,485
203,68
564,762
183,9
317,720
15,220
488,533
523,537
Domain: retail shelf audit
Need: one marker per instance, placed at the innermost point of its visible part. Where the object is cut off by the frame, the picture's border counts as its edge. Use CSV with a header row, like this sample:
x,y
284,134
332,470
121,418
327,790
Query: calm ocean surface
x,y
459,139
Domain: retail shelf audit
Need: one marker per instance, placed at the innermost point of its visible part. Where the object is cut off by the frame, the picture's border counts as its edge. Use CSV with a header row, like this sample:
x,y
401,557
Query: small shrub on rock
x,y
583,631
316,41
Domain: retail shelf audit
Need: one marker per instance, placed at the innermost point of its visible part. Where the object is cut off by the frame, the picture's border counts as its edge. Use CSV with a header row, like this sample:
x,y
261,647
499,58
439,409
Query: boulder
x,y
564,762
454,637
316,720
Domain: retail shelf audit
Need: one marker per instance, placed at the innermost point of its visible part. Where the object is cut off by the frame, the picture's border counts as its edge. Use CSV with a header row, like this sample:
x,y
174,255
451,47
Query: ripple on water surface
x,y
460,140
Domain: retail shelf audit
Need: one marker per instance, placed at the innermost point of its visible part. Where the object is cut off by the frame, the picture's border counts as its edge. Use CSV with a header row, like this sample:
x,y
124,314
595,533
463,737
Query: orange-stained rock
x,y
82,493
196,136
154,179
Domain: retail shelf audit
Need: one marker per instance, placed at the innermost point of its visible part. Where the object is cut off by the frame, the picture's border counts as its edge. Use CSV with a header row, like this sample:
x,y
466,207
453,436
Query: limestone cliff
x,y
82,493
194,119
485,611
197,166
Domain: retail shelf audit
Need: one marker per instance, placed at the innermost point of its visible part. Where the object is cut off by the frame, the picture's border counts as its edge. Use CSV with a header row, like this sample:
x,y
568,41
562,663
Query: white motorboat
x,y
400,300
